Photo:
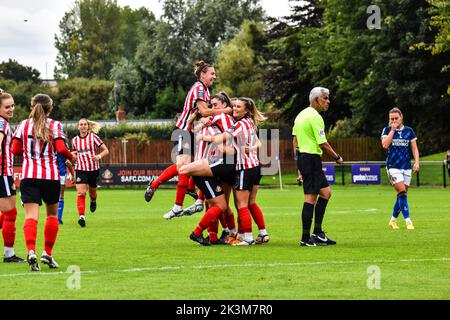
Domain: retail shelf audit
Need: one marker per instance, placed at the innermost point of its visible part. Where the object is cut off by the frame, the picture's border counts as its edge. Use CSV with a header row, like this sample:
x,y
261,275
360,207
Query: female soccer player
x,y
7,186
196,102
214,165
62,167
248,169
401,142
38,139
87,168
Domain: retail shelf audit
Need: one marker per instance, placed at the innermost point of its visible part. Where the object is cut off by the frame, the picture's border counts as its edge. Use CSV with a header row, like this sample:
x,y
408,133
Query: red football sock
x,y
1,220
245,219
181,189
9,227
165,176
257,215
240,224
230,220
208,217
213,229
191,183
50,233
201,196
30,231
81,204
223,220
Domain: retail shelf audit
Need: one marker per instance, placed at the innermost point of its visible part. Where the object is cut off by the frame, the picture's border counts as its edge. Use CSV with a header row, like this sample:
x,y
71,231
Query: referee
x,y
309,141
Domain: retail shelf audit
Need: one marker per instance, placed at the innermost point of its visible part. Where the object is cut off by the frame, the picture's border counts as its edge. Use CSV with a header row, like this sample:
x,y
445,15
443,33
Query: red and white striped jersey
x,y
220,123
39,157
198,92
86,148
6,154
244,132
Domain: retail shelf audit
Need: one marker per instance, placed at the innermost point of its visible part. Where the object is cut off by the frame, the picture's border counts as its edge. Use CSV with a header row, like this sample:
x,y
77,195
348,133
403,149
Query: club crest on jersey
x,y
2,125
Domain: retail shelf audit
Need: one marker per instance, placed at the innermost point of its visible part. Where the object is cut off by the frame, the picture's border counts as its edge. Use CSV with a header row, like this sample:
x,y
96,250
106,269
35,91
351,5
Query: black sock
x,y
319,212
307,215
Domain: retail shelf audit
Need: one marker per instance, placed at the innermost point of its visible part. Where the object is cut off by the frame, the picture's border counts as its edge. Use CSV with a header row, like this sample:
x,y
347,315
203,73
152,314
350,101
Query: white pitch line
x,y
218,266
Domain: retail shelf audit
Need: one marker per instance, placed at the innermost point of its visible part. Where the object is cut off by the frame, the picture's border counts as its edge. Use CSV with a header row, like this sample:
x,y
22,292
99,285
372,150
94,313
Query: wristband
x,y
338,157
99,156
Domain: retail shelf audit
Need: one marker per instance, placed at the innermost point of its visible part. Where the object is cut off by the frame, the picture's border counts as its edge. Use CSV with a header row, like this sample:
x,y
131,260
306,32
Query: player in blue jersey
x,y
62,176
401,143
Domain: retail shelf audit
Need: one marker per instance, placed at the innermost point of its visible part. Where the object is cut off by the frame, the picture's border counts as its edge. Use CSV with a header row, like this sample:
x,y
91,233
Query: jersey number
x,y
32,151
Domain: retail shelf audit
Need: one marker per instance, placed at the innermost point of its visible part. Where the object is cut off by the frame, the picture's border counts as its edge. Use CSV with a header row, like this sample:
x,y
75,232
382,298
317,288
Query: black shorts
x,y
310,166
183,146
7,187
225,172
246,179
36,190
210,186
87,177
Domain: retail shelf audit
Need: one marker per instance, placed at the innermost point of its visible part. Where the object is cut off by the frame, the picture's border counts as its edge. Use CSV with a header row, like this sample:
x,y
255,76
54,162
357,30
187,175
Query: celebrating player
x,y
87,168
214,172
38,139
196,101
248,169
7,186
401,142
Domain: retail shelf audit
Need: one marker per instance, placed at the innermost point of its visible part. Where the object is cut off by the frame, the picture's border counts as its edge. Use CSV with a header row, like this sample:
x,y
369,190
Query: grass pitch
x,y
128,251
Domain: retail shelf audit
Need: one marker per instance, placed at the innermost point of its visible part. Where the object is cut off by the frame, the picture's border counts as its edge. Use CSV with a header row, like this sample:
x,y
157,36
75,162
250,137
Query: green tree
x,y
238,64
94,35
12,70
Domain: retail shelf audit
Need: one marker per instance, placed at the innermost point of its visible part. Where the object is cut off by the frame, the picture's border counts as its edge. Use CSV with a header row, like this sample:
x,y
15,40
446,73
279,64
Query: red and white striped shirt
x,y
39,157
244,132
220,123
86,148
198,92
6,154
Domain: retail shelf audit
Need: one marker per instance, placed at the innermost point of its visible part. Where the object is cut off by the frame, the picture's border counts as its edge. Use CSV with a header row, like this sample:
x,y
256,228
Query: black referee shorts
x,y
246,179
210,186
36,190
185,143
7,187
310,166
87,177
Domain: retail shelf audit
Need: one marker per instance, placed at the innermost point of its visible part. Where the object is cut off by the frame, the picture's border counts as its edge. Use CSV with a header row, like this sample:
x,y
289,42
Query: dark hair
x,y
223,97
201,66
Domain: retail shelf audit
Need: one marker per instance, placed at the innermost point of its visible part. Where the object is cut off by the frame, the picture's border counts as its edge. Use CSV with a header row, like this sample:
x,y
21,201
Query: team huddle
x,y
41,142
217,152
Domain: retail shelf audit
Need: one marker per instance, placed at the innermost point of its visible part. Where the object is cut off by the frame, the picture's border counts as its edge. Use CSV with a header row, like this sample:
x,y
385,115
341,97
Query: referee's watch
x,y
338,157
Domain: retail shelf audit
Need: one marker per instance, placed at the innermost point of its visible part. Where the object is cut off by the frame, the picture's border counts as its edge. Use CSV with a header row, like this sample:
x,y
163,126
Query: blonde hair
x,y
92,125
201,66
4,95
256,115
41,106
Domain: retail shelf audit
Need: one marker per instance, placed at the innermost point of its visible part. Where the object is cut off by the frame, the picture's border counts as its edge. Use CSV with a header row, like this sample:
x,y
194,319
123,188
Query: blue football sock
x,y
60,209
396,211
403,202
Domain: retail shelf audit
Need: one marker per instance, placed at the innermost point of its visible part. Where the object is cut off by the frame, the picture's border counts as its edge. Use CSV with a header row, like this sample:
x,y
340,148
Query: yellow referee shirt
x,y
309,129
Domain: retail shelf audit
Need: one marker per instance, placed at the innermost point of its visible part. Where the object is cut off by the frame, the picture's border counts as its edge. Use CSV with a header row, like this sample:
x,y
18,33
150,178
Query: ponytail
x,y
41,106
256,115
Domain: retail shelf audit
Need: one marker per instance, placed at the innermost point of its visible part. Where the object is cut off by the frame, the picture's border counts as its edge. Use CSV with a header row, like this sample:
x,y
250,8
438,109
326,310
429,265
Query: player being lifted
x,y
401,142
196,101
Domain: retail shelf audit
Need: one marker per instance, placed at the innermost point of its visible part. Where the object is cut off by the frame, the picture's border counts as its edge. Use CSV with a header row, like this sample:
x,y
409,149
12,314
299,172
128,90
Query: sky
x,y
28,28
